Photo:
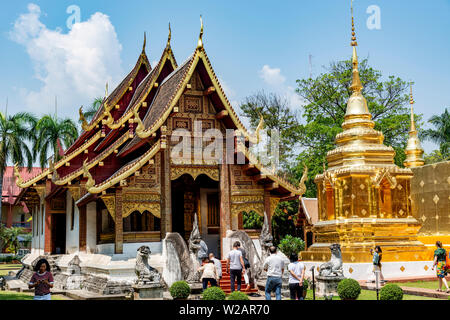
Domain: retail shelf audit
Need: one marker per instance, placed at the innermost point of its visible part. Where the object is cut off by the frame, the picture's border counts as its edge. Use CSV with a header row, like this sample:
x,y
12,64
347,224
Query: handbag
x,y
447,261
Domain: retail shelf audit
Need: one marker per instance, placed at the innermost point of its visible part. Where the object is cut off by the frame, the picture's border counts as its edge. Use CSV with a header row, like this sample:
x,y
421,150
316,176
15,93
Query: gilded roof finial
x,y
200,38
356,82
170,36
414,151
411,102
145,42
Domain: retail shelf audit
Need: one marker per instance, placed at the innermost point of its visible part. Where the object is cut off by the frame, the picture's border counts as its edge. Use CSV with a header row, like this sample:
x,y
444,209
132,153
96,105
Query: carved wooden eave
x,y
110,203
247,200
194,172
141,202
127,170
75,192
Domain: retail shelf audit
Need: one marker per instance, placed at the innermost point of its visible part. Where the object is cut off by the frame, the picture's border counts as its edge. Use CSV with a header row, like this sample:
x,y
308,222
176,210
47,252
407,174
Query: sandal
x,y
438,290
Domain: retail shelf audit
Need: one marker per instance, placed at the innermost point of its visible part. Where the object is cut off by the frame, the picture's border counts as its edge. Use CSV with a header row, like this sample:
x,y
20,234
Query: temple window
x,y
137,222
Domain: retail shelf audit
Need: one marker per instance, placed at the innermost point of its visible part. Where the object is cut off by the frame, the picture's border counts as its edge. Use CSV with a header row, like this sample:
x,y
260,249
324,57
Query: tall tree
x,y
15,131
51,132
277,115
93,108
441,133
326,97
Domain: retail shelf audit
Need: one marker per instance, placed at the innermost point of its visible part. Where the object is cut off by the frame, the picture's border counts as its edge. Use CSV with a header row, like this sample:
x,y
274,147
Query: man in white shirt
x,y
296,276
217,263
274,266
235,266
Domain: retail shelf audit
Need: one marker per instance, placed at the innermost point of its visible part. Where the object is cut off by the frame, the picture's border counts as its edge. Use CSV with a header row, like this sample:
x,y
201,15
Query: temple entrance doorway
x,y
200,197
58,233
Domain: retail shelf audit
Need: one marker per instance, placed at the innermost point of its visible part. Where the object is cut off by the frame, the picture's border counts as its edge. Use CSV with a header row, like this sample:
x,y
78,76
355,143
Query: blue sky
x,y
252,45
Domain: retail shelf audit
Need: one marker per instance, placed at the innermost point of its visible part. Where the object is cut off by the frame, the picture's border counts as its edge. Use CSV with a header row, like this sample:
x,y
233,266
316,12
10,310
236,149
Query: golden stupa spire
x,y
200,38
359,144
414,151
356,82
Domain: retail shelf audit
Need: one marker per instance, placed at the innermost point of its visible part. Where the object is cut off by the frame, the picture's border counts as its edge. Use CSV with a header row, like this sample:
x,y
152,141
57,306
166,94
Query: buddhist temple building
x,y
363,197
118,186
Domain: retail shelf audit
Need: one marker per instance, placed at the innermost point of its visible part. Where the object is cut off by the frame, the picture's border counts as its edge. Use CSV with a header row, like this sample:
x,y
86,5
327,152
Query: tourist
x,y
217,263
235,266
274,266
439,262
376,260
41,281
296,276
247,266
209,274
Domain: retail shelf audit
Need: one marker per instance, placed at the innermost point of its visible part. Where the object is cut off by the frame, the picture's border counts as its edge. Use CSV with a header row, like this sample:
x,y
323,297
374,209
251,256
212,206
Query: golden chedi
x,y
363,197
413,151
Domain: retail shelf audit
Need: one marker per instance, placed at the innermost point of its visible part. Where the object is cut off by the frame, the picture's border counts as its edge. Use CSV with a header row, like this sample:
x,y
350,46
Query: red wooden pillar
x,y
9,217
82,225
118,227
225,207
48,242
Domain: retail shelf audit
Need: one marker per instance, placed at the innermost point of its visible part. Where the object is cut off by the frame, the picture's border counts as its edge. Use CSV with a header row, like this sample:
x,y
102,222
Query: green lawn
x,y
372,295
12,295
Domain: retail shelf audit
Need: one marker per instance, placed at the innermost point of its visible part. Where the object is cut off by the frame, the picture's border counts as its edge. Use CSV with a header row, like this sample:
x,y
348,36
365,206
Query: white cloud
x,y
277,82
73,66
272,76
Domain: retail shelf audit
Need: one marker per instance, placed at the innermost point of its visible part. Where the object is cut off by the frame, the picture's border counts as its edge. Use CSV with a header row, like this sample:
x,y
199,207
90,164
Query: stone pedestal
x,y
327,286
148,291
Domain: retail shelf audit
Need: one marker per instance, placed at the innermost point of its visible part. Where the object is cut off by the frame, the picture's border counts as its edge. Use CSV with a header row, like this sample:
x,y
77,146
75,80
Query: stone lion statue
x,y
144,272
334,266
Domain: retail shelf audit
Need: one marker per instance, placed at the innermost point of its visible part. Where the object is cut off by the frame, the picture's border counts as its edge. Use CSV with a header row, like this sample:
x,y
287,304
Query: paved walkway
x,y
424,292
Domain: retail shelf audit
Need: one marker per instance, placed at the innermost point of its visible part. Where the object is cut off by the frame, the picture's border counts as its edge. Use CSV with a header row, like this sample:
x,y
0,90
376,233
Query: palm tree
x,y
51,132
10,236
92,110
441,133
15,131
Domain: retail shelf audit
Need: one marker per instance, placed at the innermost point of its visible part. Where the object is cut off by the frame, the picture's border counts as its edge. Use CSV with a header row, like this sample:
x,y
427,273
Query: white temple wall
x,y
91,227
72,235
38,228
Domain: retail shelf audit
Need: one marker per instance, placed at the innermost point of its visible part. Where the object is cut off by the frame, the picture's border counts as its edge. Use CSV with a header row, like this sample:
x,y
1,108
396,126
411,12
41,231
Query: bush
x,y
348,289
252,220
391,292
180,290
237,295
213,293
290,244
305,284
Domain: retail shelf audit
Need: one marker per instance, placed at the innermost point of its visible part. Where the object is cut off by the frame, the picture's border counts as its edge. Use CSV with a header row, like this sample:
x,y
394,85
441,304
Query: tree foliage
x,y
252,220
50,132
277,115
326,97
93,108
10,237
441,133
